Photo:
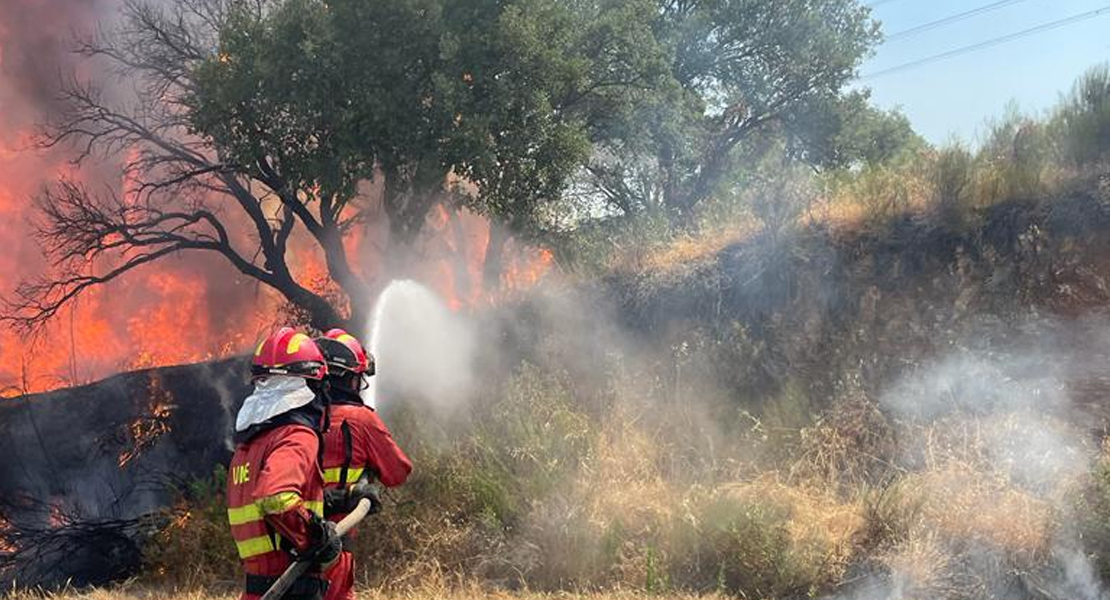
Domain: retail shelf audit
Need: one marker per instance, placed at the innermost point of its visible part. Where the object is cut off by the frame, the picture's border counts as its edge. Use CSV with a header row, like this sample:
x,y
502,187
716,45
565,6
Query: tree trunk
x,y
321,314
409,195
461,259
495,255
340,271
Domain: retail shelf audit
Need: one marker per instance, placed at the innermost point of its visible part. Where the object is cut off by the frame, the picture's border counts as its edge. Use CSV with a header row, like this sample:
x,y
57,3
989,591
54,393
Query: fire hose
x,y
298,568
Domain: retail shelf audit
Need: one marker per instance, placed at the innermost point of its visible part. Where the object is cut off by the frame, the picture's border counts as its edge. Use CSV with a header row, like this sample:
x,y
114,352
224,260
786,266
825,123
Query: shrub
x,y
890,513
951,178
876,192
1014,160
778,192
1084,118
598,246
1093,511
194,546
761,540
596,528
783,418
527,443
850,445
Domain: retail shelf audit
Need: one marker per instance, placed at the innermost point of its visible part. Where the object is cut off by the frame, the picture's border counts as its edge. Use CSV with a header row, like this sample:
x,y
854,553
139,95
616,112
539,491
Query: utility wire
x,y
951,19
878,3
988,43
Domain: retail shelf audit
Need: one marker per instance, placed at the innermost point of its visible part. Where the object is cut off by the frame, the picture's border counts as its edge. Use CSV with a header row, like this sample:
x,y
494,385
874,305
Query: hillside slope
x,y
644,386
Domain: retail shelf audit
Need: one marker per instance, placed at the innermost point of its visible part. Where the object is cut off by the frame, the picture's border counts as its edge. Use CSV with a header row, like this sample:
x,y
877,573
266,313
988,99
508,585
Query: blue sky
x,y
957,95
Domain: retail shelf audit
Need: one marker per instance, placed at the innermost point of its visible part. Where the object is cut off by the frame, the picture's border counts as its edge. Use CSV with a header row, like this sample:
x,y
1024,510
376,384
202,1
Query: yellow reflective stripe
x,y
256,545
332,475
279,503
244,514
254,512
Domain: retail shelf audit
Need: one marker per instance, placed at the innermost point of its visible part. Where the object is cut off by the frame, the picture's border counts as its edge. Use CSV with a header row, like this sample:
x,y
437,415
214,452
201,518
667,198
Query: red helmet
x,y
288,352
346,353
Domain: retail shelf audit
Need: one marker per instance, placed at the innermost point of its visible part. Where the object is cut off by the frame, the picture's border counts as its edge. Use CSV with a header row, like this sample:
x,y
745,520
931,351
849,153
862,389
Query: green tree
x,y
737,70
846,130
272,112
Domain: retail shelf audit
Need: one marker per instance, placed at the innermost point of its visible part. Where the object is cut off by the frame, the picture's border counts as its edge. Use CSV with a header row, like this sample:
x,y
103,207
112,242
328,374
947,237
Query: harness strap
x,y
348,453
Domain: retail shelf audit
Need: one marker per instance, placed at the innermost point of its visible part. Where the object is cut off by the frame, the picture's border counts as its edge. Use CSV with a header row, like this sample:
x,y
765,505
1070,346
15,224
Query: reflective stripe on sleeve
x,y
278,503
255,512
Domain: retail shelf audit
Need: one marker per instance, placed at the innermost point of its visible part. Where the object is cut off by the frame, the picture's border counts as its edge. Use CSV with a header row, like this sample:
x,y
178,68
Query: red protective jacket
x,y
358,440
274,484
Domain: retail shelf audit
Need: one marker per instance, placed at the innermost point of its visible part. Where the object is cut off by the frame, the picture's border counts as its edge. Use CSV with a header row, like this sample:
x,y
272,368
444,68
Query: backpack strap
x,y
347,453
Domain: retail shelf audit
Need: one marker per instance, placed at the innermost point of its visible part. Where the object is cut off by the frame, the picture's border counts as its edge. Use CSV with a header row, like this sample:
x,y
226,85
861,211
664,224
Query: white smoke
x,y
1020,403
1010,410
1017,407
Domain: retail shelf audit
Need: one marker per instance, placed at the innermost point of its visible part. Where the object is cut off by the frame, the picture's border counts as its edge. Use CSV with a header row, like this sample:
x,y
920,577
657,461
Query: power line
x,y
878,3
988,43
951,19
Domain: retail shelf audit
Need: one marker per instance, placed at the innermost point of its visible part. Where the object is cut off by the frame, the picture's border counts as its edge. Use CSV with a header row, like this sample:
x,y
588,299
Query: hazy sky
x,y
956,95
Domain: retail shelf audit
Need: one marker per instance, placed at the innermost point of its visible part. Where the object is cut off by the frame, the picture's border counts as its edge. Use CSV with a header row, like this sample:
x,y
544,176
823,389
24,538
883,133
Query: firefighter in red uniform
x,y
358,448
274,485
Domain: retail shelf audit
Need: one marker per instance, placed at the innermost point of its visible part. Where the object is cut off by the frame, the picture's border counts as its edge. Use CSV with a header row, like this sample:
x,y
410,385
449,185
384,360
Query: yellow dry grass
x,y
961,503
464,592
816,518
921,567
625,479
685,251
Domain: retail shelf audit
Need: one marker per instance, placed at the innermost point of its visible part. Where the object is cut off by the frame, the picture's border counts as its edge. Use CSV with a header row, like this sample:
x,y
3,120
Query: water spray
x,y
423,349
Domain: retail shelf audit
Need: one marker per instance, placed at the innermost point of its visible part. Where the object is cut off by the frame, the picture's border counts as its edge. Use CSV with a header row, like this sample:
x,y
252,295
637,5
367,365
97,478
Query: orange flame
x,y
526,269
6,545
195,307
148,427
58,517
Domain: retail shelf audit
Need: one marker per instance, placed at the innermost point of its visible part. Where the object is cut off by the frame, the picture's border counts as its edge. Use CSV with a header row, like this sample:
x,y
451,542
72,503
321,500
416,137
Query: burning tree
x,y
265,117
186,193
254,123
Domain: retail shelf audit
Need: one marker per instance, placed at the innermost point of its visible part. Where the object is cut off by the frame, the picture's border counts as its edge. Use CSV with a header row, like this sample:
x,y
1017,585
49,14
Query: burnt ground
x,y
82,465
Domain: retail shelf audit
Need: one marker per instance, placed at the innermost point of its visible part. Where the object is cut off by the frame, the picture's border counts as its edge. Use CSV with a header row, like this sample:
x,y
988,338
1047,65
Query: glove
x,y
335,502
326,544
339,501
363,489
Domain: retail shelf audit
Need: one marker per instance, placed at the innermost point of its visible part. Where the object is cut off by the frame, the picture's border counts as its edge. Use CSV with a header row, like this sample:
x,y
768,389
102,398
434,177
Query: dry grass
x,y
690,250
463,593
815,516
624,504
921,567
959,503
974,485
433,592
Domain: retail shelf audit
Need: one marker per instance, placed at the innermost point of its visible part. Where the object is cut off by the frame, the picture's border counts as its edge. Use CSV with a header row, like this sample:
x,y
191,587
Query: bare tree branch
x,y
178,189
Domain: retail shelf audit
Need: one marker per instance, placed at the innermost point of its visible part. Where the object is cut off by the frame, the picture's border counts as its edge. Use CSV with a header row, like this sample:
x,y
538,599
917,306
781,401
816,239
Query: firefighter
x,y
358,448
275,489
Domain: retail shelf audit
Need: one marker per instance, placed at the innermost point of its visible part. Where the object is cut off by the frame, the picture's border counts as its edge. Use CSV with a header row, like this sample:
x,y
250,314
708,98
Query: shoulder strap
x,y
347,453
